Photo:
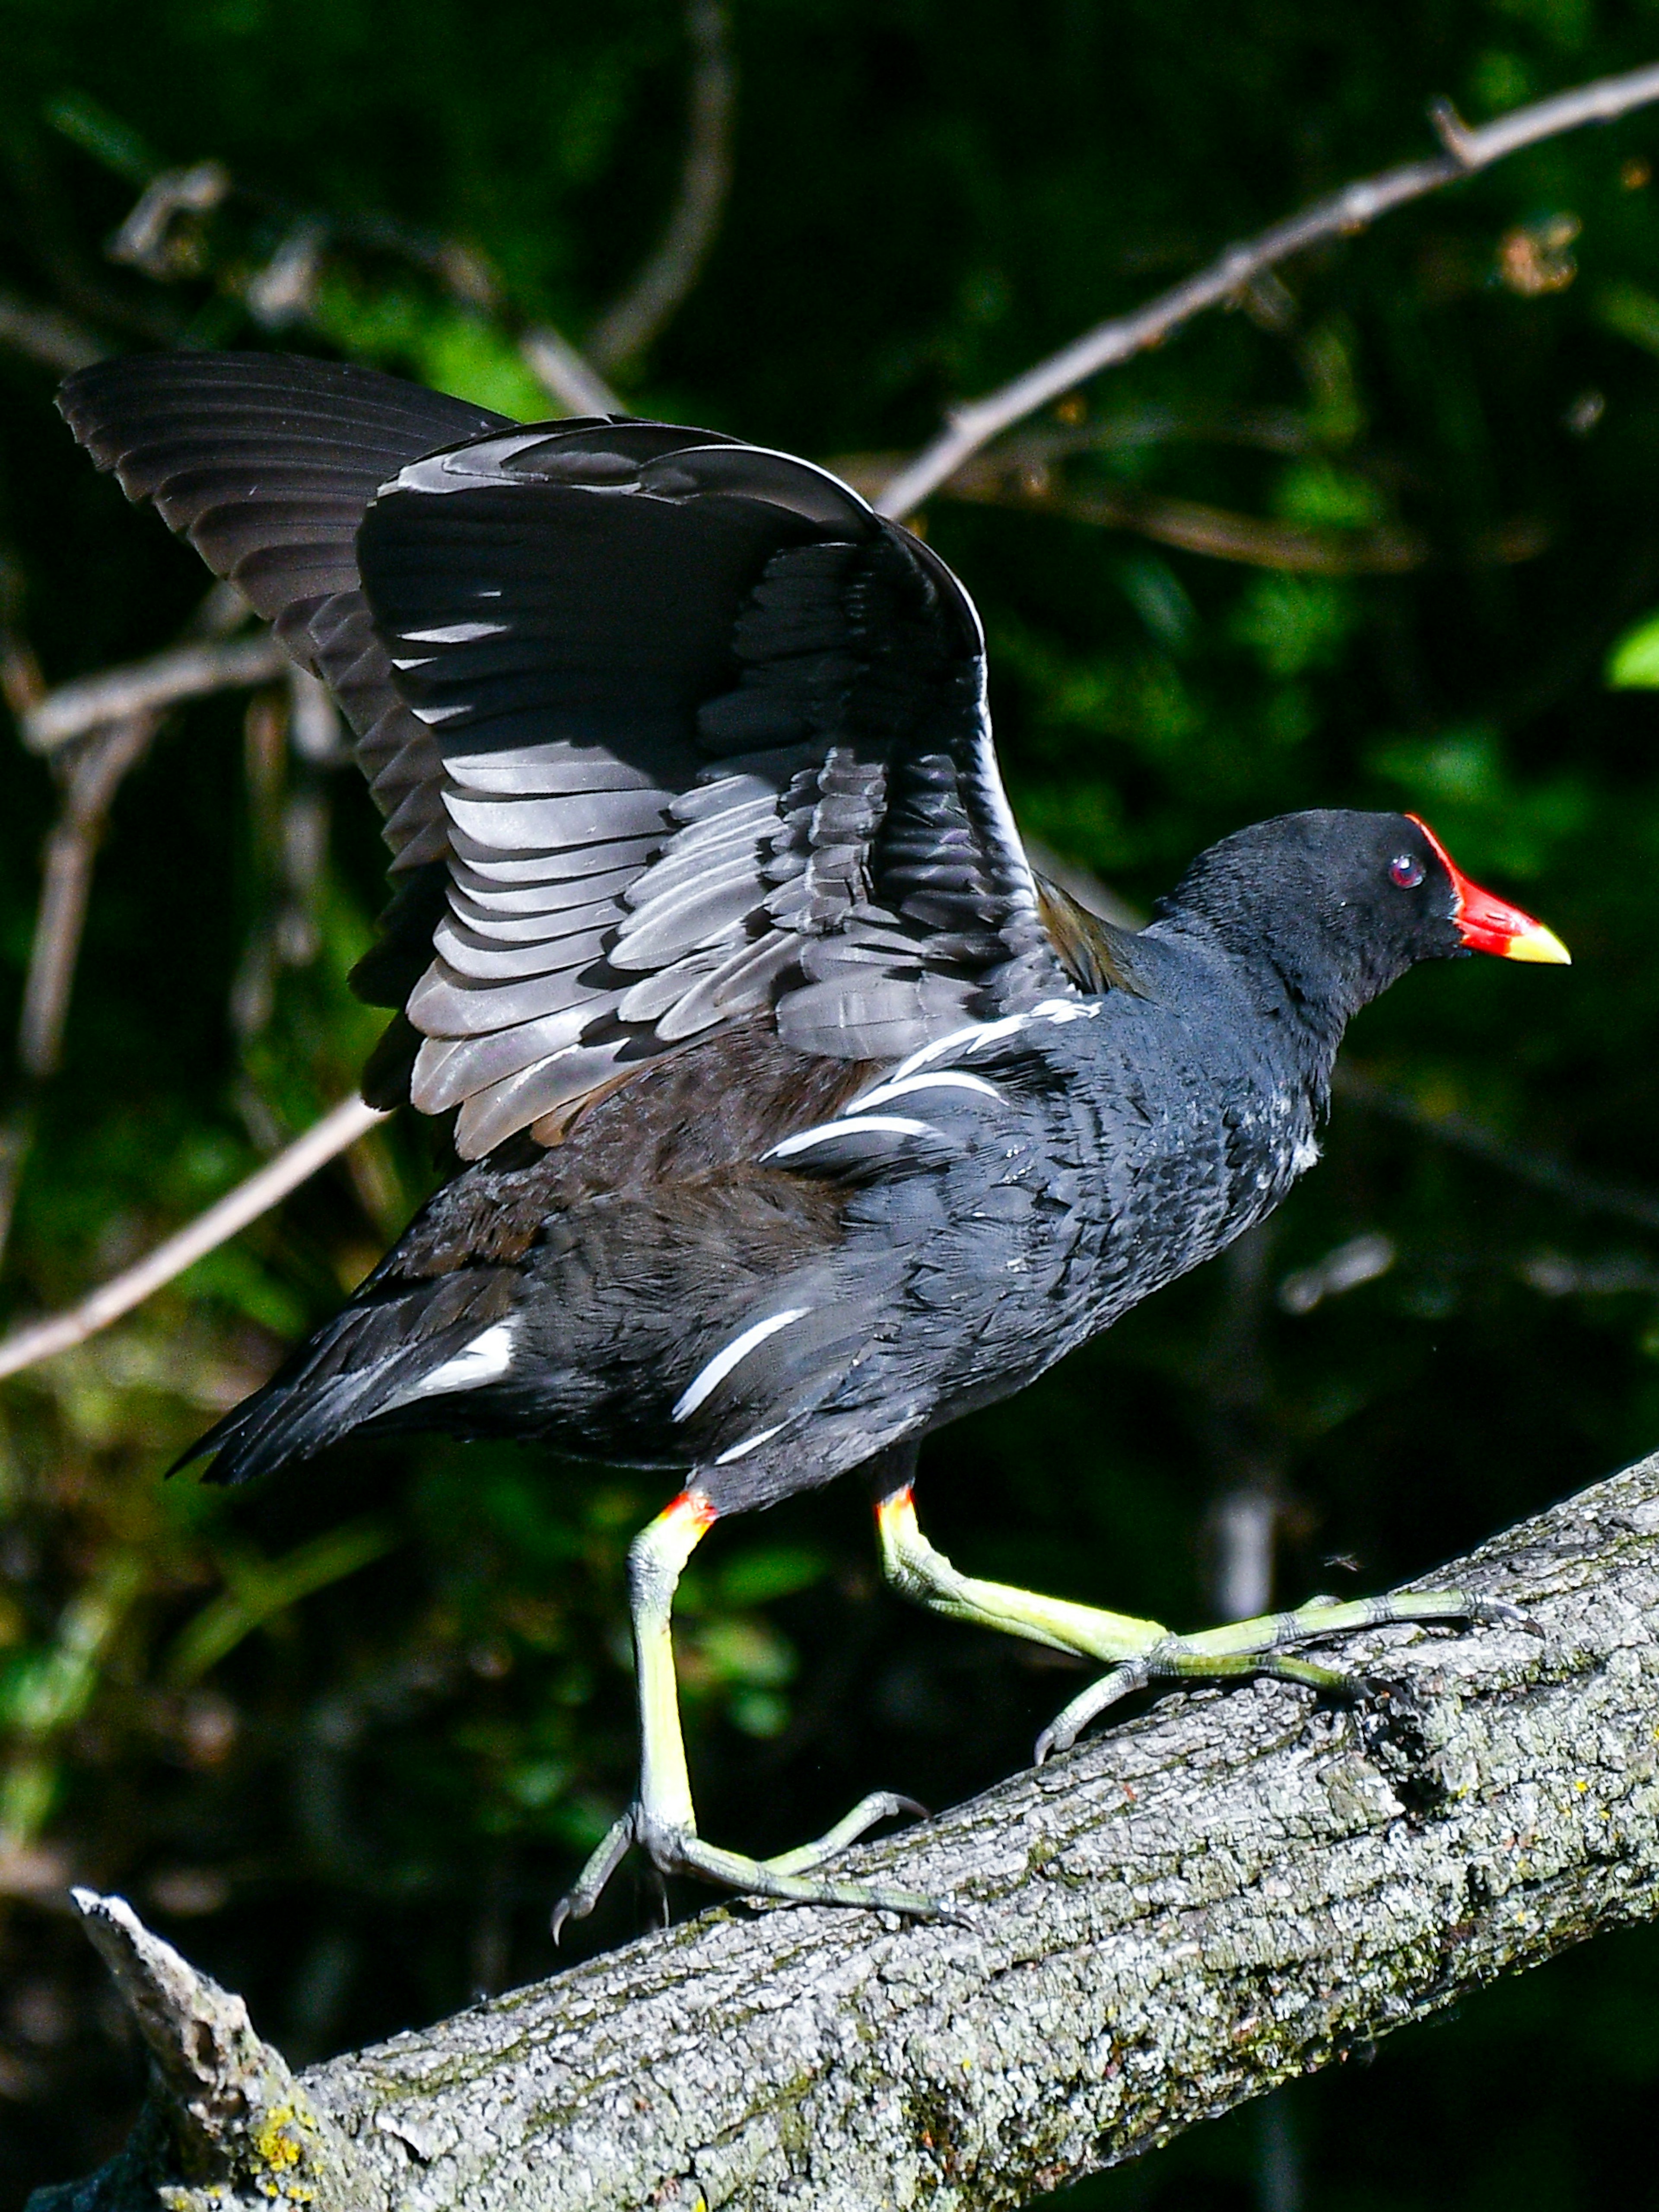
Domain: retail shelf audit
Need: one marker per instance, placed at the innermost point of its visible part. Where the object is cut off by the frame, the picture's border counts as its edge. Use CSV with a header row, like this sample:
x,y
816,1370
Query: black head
x,y
1341,904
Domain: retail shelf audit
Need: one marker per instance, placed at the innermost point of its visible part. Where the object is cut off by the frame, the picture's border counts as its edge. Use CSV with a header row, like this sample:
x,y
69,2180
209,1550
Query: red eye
x,y
1406,870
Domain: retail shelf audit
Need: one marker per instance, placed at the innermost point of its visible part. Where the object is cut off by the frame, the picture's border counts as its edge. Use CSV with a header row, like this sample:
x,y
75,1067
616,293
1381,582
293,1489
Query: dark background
x,y
344,1741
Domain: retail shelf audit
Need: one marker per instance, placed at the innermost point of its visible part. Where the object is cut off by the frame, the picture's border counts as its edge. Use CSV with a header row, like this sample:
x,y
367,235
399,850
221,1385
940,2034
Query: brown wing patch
x,y
684,1131
1097,955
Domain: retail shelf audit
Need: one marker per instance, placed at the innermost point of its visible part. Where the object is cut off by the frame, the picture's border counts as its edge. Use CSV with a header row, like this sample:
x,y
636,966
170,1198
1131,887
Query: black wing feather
x,y
668,730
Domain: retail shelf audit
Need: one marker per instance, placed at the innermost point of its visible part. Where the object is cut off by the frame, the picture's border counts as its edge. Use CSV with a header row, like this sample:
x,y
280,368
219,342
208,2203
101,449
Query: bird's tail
x,y
371,1360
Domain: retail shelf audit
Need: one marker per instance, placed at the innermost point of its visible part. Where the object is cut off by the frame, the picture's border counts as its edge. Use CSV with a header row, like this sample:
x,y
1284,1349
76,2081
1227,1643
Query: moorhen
x,y
798,1115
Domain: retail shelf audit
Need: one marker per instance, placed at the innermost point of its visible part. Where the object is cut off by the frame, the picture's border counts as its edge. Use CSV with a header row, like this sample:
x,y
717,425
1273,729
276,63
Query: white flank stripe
x,y
947,1079
892,1125
749,1444
711,1377
958,1041
978,1035
454,634
481,1361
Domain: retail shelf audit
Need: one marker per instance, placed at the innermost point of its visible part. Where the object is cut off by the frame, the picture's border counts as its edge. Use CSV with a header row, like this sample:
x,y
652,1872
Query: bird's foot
x,y
676,1848
1260,1647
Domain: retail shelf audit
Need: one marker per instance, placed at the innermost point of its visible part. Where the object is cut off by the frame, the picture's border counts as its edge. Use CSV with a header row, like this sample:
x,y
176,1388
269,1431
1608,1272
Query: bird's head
x,y
1341,904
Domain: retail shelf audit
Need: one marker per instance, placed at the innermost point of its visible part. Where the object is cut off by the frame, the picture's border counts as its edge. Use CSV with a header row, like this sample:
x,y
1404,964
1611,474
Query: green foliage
x,y
347,1740
1633,664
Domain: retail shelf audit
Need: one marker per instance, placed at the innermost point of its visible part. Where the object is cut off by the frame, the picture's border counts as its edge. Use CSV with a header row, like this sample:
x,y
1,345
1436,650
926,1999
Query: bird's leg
x,y
916,1571
663,1820
1259,1647
1143,1652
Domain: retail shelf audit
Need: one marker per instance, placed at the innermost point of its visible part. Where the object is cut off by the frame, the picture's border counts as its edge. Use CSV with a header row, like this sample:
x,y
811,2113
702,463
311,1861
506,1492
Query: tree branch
x,y
1342,215
1543,1171
625,329
47,335
262,1190
563,373
188,672
93,778
1234,1889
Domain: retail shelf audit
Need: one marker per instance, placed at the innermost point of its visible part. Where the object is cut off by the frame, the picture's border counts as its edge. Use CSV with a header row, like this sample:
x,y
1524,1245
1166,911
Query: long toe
x,y
678,1850
1068,1724
579,1901
879,1805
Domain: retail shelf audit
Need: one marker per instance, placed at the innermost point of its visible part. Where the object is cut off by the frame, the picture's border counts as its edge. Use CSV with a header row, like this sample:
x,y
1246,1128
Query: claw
x,y
577,1903
1511,1616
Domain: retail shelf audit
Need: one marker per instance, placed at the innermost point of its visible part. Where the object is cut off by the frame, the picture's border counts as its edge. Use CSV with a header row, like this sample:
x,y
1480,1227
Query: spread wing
x,y
695,734
267,464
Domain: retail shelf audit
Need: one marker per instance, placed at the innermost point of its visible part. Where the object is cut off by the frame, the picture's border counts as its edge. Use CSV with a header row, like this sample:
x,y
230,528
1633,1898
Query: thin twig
x,y
322,1142
1223,535
91,773
1022,475
92,780
45,336
1524,1162
561,370
164,236
150,239
188,672
625,332
21,684
1342,215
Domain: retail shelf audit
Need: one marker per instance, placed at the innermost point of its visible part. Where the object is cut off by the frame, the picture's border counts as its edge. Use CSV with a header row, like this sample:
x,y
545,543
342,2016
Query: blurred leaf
x,y
771,1570
751,1652
259,1589
1324,497
1460,780
1633,663
88,124
1631,311
1293,623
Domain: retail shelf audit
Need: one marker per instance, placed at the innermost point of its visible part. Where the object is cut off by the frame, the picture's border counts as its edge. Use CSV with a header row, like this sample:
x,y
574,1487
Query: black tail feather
x,y
358,1365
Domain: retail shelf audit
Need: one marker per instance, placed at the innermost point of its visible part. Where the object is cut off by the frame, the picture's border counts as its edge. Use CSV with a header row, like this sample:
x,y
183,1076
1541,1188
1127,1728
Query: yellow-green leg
x,y
1142,1651
662,1819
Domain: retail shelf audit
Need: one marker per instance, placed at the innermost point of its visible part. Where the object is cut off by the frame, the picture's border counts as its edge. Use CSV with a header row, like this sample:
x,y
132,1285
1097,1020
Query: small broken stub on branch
x,y
227,2125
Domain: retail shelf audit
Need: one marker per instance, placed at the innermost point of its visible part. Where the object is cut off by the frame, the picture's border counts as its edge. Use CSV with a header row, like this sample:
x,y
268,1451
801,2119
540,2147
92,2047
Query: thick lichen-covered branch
x,y
1236,1889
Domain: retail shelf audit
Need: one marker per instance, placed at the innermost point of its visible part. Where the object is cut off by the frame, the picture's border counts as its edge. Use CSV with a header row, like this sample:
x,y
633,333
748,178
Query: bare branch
x,y
188,672
153,237
262,1190
1022,476
1237,1889
21,684
55,340
1194,527
1452,131
1342,215
625,332
560,369
93,778
1525,1163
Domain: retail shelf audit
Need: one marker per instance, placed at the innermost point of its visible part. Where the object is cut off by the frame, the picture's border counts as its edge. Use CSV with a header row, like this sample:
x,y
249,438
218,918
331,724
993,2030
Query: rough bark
x,y
1235,1889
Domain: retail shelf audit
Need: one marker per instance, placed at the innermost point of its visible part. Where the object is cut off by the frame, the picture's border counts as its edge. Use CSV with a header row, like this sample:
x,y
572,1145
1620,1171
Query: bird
x,y
794,1114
